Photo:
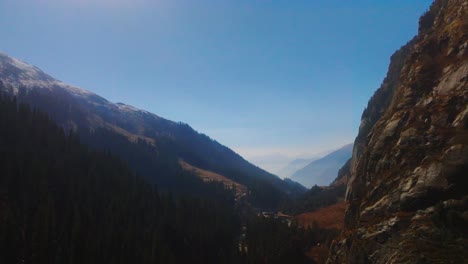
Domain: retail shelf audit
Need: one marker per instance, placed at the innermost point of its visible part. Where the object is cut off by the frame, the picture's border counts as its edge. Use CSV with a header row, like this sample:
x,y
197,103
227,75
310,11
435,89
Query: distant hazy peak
x,y
324,170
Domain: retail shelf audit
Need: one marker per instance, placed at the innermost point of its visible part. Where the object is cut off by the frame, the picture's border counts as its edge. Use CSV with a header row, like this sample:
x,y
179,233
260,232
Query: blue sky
x,y
270,79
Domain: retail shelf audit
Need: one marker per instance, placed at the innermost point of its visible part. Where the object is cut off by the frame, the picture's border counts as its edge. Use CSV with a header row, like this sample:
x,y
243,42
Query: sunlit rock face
x,y
408,190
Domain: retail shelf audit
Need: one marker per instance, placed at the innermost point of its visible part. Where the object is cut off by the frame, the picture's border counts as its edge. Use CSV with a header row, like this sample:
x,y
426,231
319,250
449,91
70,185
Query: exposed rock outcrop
x,y
407,195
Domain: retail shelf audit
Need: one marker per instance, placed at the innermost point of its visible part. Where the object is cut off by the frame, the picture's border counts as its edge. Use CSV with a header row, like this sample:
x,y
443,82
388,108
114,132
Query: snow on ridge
x,y
27,70
75,90
129,108
30,70
31,76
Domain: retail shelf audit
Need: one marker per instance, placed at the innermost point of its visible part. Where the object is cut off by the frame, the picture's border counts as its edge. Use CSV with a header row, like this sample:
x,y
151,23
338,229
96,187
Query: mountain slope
x,y
150,144
407,192
324,170
62,203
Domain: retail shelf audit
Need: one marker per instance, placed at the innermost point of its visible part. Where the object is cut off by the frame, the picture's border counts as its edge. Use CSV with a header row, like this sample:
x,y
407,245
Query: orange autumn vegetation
x,y
328,217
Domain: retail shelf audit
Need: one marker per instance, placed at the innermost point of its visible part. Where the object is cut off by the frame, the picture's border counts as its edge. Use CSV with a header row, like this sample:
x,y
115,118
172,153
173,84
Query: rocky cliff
x,y
407,195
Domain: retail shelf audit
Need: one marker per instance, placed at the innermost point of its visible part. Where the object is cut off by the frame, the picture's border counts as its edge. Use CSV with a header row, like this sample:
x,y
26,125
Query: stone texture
x,y
407,192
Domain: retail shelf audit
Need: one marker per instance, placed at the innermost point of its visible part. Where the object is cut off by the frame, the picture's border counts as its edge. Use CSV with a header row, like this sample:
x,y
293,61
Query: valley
x,y
87,180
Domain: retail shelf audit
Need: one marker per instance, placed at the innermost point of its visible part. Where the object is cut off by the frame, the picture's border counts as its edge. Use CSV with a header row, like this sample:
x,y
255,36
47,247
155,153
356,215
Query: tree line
x,y
63,203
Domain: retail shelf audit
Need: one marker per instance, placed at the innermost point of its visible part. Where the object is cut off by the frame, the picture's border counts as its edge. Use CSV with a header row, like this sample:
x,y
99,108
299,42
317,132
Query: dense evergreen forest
x,y
314,199
273,241
158,162
61,202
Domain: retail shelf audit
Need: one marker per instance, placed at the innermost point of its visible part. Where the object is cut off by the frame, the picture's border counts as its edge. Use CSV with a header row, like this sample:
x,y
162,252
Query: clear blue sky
x,y
262,77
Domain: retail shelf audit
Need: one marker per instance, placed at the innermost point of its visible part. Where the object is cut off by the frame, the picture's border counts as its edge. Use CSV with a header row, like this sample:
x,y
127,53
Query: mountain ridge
x,y
91,115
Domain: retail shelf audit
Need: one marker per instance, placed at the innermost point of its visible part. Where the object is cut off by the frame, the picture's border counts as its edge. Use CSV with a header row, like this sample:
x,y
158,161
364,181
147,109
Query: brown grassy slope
x,y
209,176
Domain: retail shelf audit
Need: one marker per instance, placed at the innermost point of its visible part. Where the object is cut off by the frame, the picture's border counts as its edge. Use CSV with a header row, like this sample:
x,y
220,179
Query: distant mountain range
x,y
322,171
294,166
152,145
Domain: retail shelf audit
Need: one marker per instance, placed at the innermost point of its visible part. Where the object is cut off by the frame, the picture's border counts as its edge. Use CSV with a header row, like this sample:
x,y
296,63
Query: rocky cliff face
x,y
407,195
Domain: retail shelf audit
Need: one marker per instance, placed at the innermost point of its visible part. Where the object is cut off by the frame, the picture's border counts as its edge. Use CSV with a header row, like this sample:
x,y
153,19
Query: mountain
x,y
407,195
294,166
324,170
152,146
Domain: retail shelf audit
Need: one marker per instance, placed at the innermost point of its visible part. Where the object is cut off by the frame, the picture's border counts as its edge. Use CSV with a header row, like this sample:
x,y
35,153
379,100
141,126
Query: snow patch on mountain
x,y
19,73
129,108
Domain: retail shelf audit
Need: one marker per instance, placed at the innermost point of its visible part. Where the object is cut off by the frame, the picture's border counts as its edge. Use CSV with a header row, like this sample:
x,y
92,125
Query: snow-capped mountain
x,y
20,78
20,74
